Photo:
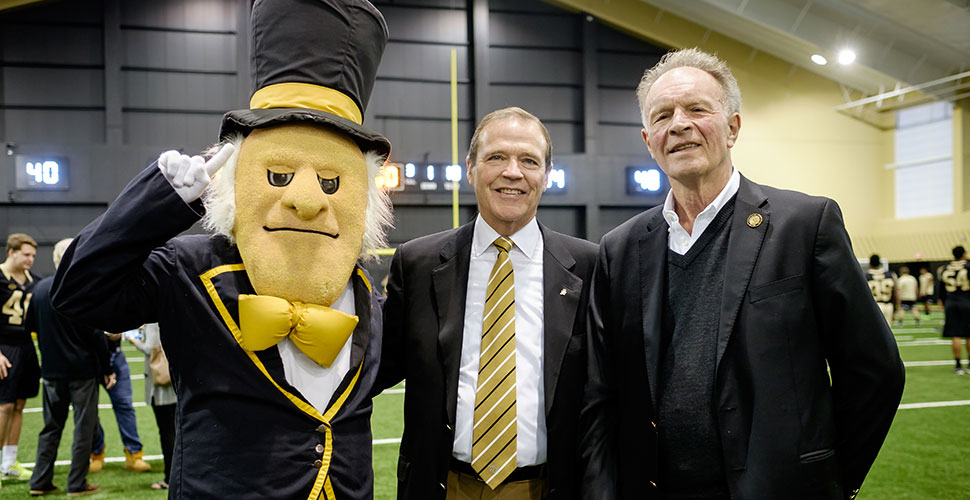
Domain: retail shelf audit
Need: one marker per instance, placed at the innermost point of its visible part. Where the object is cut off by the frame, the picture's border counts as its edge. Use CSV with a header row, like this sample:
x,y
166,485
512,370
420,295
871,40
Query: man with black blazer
x,y
735,349
440,298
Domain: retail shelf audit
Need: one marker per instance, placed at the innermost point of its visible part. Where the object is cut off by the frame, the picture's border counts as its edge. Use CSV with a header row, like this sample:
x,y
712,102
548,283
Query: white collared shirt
x,y
315,382
526,257
679,240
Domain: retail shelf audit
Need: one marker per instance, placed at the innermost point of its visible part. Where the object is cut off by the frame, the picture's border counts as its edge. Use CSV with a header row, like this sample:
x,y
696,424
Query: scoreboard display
x,y
646,181
42,173
440,177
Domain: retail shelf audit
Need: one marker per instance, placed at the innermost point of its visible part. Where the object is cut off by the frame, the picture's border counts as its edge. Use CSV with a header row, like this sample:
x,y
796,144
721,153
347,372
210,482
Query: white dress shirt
x,y
526,257
315,382
679,239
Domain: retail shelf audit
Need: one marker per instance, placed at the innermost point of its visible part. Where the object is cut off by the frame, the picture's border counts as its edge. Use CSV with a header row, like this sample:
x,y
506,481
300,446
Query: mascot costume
x,y
271,328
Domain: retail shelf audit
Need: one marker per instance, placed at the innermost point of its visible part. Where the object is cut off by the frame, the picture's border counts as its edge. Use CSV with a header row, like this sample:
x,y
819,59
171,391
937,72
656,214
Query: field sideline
x,y
923,458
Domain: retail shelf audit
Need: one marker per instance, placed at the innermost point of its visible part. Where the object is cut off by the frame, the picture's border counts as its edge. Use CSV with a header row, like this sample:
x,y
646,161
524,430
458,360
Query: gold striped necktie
x,y
494,445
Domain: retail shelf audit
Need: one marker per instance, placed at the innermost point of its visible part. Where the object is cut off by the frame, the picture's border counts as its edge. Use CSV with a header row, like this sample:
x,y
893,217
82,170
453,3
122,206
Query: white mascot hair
x,y
219,199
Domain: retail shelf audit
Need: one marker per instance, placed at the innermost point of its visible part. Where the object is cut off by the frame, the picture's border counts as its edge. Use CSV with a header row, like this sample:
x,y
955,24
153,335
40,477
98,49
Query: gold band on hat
x,y
306,95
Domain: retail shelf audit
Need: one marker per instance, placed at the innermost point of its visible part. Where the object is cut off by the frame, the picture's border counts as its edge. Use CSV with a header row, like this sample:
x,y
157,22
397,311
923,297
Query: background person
x,y
926,289
124,412
908,289
76,360
714,320
162,399
481,370
882,284
19,369
954,293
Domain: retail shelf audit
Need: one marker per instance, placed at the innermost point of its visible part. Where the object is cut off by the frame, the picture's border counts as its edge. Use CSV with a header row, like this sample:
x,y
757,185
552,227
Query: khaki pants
x,y
469,487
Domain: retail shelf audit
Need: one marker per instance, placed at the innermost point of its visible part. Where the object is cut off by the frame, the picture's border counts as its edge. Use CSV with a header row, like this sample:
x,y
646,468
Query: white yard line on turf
x,y
935,404
106,459
102,406
911,343
928,363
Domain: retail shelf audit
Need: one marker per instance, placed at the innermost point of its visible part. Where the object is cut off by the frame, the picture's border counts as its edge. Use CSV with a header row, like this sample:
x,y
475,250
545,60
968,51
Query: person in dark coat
x,y
74,360
438,333
736,351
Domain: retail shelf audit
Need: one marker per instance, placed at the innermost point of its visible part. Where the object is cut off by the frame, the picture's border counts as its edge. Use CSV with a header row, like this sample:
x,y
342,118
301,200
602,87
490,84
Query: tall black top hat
x,y
314,61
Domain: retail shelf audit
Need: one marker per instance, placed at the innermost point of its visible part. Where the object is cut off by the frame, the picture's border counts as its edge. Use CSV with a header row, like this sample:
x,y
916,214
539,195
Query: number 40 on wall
x,y
36,172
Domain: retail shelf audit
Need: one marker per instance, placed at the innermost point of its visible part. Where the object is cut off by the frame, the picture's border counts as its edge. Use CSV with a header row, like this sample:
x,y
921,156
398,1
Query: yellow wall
x,y
931,238
791,137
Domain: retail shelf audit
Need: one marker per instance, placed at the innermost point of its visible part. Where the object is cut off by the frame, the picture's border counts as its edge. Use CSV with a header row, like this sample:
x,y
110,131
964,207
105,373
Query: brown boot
x,y
134,461
97,462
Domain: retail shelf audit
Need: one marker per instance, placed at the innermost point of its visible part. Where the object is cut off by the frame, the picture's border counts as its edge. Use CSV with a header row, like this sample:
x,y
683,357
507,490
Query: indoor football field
x,y
924,457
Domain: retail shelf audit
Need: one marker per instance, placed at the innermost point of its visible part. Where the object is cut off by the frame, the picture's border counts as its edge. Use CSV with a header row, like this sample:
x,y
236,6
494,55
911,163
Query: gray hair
x,y
59,248
219,199
510,112
693,58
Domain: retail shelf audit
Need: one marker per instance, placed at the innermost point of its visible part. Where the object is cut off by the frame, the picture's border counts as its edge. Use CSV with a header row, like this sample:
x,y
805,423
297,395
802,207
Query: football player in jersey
x,y
19,369
882,283
927,286
954,292
908,289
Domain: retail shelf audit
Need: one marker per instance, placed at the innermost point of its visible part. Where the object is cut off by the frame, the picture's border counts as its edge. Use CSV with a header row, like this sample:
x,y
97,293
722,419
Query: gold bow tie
x,y
319,331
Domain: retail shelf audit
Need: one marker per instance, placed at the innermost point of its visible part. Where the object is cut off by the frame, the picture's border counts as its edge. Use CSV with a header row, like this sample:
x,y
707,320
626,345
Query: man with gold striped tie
x,y
486,323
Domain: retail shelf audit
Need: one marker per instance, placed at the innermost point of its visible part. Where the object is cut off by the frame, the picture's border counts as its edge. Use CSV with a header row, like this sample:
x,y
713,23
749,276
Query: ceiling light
x,y
819,59
846,56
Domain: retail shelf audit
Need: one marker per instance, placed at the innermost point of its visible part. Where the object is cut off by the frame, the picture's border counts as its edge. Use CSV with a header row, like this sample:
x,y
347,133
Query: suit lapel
x,y
560,299
224,284
744,246
450,282
652,265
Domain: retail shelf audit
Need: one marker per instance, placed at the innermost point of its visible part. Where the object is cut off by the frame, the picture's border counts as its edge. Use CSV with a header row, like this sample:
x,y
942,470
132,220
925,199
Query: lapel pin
x,y
562,292
755,220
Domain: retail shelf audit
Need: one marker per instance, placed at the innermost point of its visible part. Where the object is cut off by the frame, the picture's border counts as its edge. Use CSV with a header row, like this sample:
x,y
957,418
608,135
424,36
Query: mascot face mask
x,y
301,194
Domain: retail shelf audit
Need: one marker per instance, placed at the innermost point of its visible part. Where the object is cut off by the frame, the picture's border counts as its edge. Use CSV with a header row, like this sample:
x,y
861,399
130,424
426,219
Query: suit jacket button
x,y
448,427
318,463
442,486
653,484
319,448
322,428
654,424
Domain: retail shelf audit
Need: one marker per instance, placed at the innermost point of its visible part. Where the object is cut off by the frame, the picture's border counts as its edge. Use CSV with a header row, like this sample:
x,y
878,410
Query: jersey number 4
x,y
13,308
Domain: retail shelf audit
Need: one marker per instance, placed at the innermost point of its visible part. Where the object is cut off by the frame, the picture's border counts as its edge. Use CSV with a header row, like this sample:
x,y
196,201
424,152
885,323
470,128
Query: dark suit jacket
x,y
794,300
70,351
243,432
423,323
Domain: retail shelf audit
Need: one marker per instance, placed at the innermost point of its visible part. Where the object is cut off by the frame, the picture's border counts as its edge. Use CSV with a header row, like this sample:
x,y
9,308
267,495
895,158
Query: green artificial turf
x,y
923,458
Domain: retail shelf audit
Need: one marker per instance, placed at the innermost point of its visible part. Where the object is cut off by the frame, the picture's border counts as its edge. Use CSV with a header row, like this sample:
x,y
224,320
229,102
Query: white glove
x,y
189,175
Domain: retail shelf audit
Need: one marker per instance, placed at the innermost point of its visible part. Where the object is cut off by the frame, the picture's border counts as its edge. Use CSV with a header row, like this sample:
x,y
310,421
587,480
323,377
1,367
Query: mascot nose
x,y
304,195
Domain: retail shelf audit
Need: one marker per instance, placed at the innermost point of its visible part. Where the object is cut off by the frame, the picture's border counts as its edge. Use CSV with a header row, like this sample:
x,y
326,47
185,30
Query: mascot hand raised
x,y
190,175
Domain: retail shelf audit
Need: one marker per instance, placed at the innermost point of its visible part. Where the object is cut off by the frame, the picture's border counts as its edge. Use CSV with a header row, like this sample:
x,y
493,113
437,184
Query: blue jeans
x,y
120,396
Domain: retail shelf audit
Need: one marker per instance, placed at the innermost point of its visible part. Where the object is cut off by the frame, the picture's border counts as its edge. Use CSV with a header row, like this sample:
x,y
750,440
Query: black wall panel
x,y
165,92
178,50
53,87
413,22
423,63
76,45
190,133
49,127
181,14
173,67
